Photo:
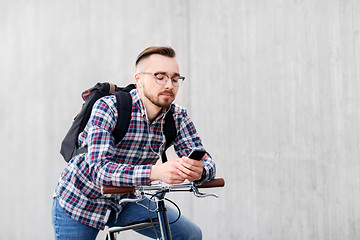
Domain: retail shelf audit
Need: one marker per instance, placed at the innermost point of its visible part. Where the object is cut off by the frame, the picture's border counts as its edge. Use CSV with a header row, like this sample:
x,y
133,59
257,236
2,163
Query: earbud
x,y
140,84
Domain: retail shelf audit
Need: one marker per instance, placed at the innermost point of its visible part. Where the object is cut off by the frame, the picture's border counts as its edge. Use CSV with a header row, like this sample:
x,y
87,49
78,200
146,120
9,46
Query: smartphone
x,y
197,154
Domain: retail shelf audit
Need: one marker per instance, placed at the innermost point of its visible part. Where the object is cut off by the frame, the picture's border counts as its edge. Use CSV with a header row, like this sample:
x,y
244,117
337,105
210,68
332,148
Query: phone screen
x,y
197,154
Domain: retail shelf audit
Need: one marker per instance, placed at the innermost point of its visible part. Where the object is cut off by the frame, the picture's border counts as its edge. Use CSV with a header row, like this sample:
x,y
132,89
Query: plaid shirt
x,y
126,164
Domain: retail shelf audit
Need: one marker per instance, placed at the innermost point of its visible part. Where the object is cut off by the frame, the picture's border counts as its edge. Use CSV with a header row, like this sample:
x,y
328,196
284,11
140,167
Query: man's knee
x,y
188,231
197,234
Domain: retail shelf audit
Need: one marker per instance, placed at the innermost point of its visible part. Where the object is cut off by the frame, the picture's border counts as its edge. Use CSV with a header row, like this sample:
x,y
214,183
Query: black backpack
x,y
69,146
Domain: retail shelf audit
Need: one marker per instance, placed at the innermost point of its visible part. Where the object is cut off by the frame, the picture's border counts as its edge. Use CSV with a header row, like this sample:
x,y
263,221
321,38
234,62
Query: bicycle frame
x,y
162,216
161,190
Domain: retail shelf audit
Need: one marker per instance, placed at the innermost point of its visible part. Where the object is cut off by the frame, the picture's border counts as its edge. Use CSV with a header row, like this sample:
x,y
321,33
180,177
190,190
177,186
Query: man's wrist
x,y
153,173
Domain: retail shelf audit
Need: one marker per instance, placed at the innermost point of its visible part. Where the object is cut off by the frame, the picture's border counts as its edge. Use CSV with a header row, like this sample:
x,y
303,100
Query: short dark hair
x,y
164,51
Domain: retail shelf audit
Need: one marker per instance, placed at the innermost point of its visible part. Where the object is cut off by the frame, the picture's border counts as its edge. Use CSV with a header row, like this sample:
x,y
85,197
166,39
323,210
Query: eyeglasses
x,y
162,78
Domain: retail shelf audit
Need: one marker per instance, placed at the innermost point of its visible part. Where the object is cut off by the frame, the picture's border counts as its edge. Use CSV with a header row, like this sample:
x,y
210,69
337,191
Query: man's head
x,y
157,76
163,51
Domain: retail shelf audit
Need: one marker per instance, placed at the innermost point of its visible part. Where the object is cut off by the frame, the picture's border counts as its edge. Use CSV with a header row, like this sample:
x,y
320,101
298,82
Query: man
x,y
79,209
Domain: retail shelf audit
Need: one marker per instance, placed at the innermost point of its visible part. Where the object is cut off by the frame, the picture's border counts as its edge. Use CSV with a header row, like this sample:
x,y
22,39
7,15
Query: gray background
x,y
272,86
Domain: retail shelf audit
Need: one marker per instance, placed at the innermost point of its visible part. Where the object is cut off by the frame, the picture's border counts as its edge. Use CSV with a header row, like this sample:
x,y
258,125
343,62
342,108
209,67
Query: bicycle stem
x,y
165,188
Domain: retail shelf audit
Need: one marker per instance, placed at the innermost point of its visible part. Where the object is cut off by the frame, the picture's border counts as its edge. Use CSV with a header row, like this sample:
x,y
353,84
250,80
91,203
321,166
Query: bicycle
x,y
160,189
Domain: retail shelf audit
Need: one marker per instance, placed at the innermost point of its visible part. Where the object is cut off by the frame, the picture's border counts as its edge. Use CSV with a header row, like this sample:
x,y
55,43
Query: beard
x,y
158,100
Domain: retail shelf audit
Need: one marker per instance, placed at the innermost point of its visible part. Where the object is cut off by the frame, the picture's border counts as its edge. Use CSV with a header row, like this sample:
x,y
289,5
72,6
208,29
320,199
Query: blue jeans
x,y
67,228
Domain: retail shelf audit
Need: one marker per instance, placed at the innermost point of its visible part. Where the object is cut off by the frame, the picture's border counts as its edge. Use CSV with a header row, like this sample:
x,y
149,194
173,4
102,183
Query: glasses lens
x,y
177,80
160,78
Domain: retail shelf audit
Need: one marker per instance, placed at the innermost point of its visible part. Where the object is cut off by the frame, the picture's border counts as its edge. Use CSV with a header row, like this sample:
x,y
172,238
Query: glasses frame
x,y
163,82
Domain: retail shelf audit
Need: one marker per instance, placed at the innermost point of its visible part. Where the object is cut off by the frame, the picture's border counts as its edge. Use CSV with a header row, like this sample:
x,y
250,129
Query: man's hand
x,y
191,169
167,172
178,170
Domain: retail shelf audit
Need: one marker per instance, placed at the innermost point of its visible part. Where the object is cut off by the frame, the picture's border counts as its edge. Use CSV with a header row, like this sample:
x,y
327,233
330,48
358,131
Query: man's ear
x,y
137,79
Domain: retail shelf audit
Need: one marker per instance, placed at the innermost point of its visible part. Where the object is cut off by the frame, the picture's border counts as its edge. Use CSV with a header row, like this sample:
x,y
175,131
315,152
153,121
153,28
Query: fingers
x,y
190,169
169,173
174,179
191,163
178,170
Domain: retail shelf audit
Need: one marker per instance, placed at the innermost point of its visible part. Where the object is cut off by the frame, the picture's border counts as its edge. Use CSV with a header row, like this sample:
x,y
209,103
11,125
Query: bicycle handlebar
x,y
217,182
105,189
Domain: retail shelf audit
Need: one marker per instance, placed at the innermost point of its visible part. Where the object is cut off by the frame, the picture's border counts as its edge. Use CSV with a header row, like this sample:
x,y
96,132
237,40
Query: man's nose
x,y
168,84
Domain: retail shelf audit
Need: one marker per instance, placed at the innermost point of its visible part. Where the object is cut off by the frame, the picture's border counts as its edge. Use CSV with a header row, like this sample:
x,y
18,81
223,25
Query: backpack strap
x,y
170,133
124,107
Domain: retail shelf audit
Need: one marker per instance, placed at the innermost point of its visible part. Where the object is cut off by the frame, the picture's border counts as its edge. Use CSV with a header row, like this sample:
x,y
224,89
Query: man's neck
x,y
152,111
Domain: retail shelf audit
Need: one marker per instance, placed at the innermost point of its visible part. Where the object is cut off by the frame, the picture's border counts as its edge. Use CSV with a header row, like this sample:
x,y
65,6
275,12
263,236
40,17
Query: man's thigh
x,y
183,228
67,228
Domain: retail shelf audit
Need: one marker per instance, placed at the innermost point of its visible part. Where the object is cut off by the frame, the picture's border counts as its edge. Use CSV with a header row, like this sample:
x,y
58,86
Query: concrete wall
x,y
272,86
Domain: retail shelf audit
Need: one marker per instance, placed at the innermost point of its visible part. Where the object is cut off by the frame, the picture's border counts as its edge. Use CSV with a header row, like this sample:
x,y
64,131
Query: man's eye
x,y
175,79
160,76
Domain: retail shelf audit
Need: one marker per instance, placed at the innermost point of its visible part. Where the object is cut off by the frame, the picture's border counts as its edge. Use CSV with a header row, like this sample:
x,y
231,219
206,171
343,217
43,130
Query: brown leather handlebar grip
x,y
112,189
105,189
217,182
